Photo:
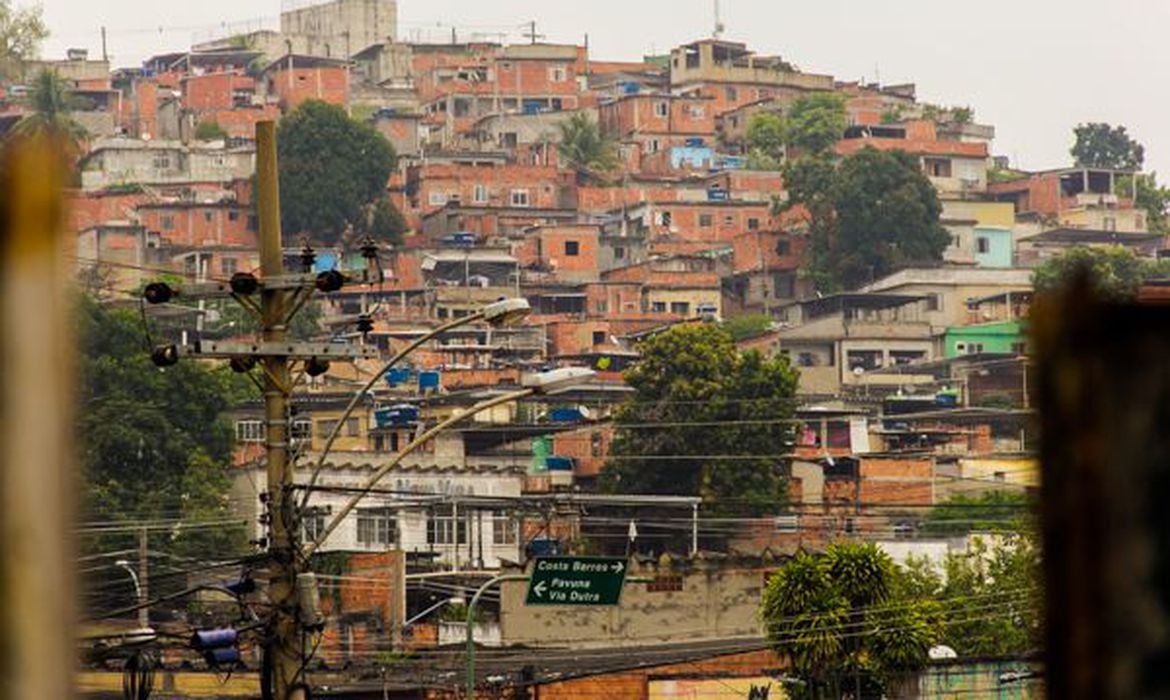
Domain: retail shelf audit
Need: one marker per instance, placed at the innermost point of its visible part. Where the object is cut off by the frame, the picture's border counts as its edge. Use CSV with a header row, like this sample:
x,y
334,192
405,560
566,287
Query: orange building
x,y
293,79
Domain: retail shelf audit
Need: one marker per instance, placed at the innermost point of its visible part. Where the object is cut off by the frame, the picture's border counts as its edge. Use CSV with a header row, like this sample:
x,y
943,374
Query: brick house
x,y
293,79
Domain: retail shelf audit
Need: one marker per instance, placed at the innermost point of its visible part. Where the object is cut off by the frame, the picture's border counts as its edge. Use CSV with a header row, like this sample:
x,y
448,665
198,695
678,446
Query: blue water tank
x,y
396,416
325,262
559,464
566,415
716,195
543,547
397,376
694,142
428,380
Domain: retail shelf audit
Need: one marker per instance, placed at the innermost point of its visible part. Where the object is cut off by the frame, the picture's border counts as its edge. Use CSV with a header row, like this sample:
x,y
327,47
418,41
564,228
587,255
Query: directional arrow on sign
x,y
539,589
618,567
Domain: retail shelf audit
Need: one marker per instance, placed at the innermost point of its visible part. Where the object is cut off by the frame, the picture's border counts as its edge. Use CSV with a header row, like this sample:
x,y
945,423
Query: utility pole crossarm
x,y
289,351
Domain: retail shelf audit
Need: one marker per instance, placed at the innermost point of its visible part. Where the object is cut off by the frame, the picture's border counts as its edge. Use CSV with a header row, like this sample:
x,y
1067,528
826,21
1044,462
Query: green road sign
x,y
576,581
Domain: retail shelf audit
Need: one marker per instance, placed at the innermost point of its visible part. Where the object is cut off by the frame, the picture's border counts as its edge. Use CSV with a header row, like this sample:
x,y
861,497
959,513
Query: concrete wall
x,y
342,27
718,599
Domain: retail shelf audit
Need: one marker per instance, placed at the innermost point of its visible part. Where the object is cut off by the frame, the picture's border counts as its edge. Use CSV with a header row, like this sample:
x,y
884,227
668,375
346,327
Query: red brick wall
x,y
196,226
541,182
329,84
658,114
147,109
897,481
241,123
573,268
726,221
760,250
213,90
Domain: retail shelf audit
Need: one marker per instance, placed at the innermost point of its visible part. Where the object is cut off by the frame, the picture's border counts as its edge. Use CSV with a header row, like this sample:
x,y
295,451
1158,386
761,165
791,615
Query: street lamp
x,y
502,313
143,612
552,382
454,600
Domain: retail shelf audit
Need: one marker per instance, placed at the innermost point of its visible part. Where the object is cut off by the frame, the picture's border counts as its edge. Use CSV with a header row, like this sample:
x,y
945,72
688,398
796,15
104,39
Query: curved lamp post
x,y
506,312
551,382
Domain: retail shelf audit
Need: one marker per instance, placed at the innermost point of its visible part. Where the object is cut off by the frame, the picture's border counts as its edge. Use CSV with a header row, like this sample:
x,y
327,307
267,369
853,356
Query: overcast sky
x,y
1032,68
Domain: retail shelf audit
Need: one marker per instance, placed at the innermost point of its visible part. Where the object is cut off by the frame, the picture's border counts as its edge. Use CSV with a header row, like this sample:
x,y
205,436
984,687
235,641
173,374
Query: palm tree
x,y
585,149
51,102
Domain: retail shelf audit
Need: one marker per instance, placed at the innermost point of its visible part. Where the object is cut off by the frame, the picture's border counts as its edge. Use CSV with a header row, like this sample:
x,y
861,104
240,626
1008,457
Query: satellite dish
x,y
858,371
942,652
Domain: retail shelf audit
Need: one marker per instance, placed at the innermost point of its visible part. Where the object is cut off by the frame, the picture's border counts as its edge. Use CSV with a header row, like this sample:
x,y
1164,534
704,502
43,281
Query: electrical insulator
x,y
315,367
309,600
244,283
242,365
369,249
158,293
165,356
330,281
308,258
365,324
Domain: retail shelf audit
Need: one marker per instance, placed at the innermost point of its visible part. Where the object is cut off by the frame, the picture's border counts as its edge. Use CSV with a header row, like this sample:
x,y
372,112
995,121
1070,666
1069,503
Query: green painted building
x,y
1000,337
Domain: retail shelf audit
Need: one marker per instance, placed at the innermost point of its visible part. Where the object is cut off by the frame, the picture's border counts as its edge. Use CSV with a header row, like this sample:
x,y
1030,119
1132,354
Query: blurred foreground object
x,y
1103,391
36,472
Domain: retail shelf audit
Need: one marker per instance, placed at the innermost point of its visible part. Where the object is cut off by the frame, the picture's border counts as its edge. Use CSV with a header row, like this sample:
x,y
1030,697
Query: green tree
x,y
1148,196
1115,272
332,171
815,123
584,149
749,326
767,136
990,511
706,399
51,102
869,215
1101,145
155,443
839,617
386,223
21,34
210,130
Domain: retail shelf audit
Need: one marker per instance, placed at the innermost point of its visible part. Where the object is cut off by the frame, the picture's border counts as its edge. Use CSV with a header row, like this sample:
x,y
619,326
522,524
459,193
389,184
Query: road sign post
x,y
576,581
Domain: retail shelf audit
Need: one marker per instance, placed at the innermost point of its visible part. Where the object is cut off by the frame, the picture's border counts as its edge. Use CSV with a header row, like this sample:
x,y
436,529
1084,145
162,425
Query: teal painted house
x,y
1001,337
993,247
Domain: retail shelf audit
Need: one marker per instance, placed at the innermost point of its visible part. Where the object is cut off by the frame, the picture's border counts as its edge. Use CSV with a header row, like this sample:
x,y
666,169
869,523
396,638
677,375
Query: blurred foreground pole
x,y
1103,393
36,467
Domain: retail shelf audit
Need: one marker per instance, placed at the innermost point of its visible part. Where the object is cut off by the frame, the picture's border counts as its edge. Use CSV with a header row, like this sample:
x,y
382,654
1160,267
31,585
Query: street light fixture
x,y
505,312
145,631
552,382
459,601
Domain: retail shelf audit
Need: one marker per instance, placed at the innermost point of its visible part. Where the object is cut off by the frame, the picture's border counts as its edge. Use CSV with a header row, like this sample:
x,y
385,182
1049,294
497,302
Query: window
x,y
376,527
784,285
619,253
864,360
207,216
557,74
661,109
664,218
572,249
253,222
937,167
653,145
233,215
519,198
595,444
806,359
479,195
933,302
982,245
969,348
706,220
153,239
352,427
906,357
504,530
302,429
162,161
753,224
602,307
680,308
598,337
168,222
313,522
444,529
731,94
658,307
1110,223
1020,348
250,431
228,266
783,248
729,220
437,199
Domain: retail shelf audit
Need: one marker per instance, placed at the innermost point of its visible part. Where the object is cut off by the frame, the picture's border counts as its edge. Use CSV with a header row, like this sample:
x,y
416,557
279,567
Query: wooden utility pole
x,y
283,650
143,579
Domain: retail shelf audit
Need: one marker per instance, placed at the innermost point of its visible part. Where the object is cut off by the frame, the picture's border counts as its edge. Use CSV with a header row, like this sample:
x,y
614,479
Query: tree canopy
x,y
155,443
333,175
815,123
584,148
705,398
992,511
869,214
766,139
843,621
21,34
51,102
1100,145
1115,272
210,130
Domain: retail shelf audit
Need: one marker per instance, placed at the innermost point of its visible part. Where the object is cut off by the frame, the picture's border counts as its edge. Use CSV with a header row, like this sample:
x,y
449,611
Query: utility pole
x,y
143,579
282,651
280,297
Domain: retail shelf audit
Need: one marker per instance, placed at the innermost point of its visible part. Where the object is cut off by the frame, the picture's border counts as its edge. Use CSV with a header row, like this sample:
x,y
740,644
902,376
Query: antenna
x,y
531,33
719,27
